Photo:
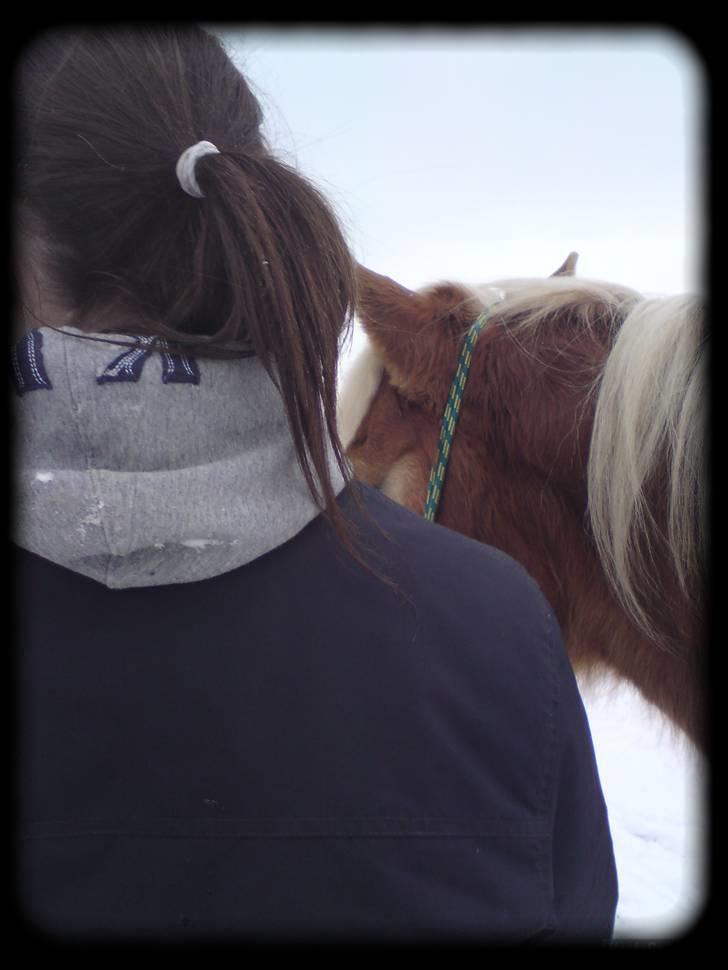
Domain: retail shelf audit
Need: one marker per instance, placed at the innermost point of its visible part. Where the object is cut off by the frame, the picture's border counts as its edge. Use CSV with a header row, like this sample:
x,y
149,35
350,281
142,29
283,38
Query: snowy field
x,y
655,786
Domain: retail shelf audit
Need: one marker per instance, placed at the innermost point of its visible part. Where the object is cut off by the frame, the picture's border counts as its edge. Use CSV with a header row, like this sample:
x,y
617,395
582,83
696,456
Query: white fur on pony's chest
x,y
358,392
402,480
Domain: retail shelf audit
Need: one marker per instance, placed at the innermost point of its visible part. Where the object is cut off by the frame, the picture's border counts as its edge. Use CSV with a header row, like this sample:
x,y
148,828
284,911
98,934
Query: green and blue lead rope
x,y
450,417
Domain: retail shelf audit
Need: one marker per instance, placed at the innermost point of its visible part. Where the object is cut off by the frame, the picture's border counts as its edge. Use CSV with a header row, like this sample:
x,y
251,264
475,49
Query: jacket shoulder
x,y
451,574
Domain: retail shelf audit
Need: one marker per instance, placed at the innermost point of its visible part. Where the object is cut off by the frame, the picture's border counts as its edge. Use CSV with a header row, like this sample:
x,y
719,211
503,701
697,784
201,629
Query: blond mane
x,y
530,302
651,408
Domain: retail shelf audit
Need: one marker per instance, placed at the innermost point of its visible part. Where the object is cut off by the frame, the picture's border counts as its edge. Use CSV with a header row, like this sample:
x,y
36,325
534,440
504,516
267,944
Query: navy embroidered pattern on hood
x,y
28,369
176,369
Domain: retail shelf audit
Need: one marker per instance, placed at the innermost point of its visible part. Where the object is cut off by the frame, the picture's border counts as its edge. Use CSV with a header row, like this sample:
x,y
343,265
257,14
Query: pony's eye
x,y
359,438
402,402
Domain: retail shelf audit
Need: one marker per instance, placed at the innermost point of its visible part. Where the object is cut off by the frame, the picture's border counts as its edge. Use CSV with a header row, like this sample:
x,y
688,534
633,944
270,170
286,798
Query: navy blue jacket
x,y
294,750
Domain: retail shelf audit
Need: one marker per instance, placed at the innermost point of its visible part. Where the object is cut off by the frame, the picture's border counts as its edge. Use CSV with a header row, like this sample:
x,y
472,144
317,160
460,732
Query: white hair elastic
x,y
186,163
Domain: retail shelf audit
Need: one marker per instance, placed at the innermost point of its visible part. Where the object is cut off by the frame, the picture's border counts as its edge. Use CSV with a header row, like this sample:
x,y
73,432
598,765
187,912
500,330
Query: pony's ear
x,y
568,267
415,333
382,303
391,315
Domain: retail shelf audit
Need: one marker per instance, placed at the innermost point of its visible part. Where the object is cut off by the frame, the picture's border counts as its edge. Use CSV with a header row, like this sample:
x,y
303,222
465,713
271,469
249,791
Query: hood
x,y
142,468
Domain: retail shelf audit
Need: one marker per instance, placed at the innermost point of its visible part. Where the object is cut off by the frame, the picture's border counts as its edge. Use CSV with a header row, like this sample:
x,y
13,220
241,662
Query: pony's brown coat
x,y
517,472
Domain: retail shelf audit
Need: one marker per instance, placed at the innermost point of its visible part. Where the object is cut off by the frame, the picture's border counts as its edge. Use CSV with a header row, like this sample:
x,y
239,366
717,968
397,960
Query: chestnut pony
x,y
580,451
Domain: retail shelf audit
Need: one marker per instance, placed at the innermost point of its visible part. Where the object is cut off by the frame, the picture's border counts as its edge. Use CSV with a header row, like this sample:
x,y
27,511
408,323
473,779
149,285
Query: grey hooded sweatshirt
x,y
140,468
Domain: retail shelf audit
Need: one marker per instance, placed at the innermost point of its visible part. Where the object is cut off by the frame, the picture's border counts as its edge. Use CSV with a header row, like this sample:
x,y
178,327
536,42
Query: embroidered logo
x,y
28,369
176,368
29,373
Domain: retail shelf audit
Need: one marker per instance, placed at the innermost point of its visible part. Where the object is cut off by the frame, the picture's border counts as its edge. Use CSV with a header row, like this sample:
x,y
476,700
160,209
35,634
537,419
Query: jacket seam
x,y
553,697
539,837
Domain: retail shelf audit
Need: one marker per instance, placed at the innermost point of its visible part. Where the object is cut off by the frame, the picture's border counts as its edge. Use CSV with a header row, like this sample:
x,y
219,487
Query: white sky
x,y
483,153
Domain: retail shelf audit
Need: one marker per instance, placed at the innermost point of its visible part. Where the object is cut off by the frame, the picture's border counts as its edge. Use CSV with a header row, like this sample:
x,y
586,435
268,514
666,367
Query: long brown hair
x,y
104,114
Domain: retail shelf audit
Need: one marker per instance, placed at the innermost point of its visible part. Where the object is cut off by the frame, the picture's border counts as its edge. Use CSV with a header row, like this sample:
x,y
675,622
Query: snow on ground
x,y
655,787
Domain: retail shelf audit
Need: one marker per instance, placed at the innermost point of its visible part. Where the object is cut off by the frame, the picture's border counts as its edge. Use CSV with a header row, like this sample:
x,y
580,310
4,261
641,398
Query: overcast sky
x,y
482,153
